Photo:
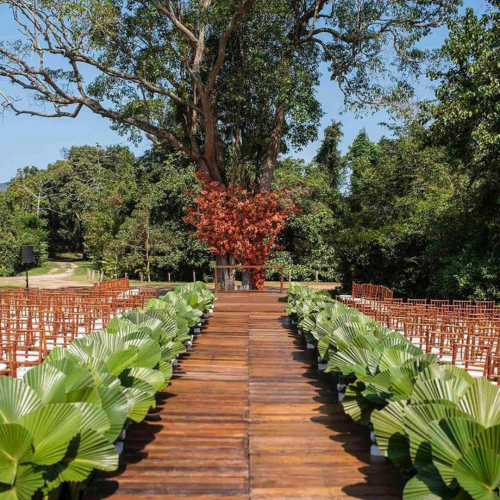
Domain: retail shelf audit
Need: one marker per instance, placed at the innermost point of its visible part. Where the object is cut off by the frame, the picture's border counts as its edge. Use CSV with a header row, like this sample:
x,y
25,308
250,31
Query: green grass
x,y
69,256
81,270
80,273
37,271
52,268
9,284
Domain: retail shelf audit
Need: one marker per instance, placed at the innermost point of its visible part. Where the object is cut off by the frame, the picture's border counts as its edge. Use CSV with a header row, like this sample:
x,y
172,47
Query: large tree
x,y
465,119
400,191
231,84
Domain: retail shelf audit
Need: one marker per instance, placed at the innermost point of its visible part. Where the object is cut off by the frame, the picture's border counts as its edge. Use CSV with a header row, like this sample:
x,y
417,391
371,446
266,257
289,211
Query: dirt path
x,y
58,277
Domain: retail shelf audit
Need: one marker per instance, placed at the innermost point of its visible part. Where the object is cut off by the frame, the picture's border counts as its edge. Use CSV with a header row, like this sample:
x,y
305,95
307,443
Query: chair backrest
x,y
415,302
440,303
462,304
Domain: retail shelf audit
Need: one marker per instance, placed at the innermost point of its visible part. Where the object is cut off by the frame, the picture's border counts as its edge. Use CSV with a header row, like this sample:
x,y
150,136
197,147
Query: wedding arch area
x,y
246,296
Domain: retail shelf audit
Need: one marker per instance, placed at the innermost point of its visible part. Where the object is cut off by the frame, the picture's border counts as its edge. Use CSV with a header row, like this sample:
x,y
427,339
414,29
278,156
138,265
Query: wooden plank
x,y
302,445
246,417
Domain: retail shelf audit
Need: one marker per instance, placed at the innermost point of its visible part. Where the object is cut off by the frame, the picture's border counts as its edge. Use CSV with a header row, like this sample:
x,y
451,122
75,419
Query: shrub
x,y
432,419
61,421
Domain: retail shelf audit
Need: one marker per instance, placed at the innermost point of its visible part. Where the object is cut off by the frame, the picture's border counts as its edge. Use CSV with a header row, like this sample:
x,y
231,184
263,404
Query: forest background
x,y
417,210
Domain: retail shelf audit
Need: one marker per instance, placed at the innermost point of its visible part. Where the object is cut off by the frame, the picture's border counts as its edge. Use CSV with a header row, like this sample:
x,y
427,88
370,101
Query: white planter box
x,y
23,370
119,447
175,362
310,346
341,387
322,366
375,451
189,344
341,396
372,436
197,330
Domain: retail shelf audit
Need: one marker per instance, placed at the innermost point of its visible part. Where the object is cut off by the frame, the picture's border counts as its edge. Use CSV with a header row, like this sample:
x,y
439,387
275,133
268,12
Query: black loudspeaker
x,y
27,256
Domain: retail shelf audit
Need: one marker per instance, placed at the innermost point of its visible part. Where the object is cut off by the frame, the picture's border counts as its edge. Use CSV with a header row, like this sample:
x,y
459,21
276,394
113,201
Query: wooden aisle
x,y
247,417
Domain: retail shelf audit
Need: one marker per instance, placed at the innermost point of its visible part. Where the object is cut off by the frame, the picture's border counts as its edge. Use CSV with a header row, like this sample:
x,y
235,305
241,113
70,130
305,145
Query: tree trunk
x,y
226,276
147,245
271,157
245,279
148,259
38,202
232,262
273,149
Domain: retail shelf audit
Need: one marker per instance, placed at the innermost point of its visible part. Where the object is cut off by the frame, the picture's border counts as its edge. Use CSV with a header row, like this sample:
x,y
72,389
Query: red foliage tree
x,y
238,223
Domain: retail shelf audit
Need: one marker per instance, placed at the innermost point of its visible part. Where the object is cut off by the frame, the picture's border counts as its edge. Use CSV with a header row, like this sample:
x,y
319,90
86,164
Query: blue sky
x,y
26,140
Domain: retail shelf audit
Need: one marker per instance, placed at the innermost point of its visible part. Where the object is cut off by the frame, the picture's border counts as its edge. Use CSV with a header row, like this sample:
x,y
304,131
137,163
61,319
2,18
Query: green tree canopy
x,y
465,120
329,156
230,84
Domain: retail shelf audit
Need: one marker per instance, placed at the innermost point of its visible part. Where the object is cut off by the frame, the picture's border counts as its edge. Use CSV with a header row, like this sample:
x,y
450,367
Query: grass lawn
x,y
37,271
54,270
4,285
69,256
80,275
81,270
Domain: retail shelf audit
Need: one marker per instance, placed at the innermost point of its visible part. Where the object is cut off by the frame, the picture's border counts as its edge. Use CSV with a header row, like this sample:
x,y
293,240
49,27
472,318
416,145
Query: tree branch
x,y
221,52
166,9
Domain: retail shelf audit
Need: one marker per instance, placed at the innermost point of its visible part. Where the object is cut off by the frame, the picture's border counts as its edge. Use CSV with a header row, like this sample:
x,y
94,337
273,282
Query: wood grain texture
x,y
247,416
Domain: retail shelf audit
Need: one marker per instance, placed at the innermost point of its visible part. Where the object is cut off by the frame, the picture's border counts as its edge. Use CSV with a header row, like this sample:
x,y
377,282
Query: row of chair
x,y
461,332
34,321
366,290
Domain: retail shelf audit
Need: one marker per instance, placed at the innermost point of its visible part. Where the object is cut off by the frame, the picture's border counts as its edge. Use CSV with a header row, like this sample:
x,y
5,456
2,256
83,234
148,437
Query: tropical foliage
x,y
125,214
433,420
424,207
122,213
21,226
65,417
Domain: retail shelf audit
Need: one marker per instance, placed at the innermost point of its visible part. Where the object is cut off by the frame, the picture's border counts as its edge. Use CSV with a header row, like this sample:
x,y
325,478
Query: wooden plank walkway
x,y
248,417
